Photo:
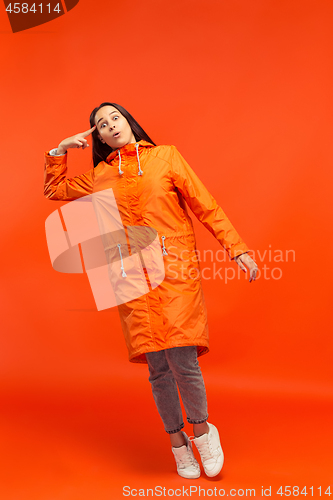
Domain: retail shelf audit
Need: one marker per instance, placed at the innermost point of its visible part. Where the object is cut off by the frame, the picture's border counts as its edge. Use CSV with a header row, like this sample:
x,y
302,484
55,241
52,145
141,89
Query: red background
x,y
244,90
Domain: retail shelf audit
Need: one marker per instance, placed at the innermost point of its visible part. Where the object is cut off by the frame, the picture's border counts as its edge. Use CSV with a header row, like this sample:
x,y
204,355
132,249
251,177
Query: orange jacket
x,y
150,184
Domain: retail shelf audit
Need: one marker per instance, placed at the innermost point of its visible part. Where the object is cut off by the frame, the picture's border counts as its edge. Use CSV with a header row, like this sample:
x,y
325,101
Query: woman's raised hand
x,y
244,258
76,141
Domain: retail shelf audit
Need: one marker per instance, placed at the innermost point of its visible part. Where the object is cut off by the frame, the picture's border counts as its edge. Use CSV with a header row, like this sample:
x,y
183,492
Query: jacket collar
x,y
128,149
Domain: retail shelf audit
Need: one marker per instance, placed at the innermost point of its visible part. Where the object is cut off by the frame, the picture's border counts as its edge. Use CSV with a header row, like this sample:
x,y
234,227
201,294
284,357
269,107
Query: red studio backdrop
x,y
244,90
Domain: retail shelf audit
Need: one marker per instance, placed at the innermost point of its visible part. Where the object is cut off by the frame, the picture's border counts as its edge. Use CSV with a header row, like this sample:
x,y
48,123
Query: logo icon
x,y
116,259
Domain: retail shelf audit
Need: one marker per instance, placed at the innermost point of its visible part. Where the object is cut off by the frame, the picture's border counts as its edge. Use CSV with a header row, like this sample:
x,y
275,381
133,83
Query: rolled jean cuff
x,y
191,421
176,430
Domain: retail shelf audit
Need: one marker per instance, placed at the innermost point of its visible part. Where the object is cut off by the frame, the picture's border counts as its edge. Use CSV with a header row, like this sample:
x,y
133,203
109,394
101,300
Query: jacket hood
x,y
130,149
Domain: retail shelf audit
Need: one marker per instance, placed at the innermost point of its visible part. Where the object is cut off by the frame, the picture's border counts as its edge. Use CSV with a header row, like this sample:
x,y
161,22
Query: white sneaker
x,y
187,466
210,450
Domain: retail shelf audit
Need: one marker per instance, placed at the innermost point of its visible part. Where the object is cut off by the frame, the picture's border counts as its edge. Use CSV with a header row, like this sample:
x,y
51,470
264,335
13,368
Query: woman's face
x,y
109,121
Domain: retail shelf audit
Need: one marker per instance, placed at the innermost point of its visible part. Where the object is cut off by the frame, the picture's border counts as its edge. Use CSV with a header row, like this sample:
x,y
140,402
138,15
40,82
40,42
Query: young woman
x,y
167,327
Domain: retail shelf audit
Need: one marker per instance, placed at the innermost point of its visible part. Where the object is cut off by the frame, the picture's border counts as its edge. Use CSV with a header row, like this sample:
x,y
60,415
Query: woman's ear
x,y
100,138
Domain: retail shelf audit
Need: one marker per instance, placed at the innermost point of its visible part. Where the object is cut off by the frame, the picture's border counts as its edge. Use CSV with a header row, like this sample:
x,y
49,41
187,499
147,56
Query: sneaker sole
x,y
213,474
191,476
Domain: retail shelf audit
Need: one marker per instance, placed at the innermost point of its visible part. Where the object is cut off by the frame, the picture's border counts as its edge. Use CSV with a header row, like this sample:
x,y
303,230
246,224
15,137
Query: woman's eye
x,y
115,116
103,125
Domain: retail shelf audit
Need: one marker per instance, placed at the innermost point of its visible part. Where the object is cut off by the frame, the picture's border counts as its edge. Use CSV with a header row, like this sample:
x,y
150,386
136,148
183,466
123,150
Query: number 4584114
x,y
24,8
295,491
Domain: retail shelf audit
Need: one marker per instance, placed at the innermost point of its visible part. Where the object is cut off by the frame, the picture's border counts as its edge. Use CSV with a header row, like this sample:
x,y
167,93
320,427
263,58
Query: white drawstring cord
x,y
163,248
122,264
120,171
137,154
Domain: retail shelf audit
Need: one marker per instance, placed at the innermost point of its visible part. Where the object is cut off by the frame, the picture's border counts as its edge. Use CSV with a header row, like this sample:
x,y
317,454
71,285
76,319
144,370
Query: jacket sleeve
x,y
204,206
57,186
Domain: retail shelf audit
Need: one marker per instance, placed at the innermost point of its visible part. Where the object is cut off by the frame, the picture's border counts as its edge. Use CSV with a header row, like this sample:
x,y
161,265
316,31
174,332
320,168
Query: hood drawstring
x,y
137,154
140,172
120,171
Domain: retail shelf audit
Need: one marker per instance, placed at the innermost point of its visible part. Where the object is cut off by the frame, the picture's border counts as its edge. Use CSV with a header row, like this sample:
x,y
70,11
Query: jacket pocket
x,y
181,261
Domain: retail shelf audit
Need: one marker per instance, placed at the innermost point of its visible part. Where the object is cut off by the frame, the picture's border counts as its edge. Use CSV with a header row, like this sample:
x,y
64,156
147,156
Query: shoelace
x,y
205,451
186,460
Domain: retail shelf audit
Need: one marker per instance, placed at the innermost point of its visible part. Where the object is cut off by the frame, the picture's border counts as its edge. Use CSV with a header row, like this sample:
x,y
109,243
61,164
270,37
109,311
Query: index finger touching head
x,y
87,132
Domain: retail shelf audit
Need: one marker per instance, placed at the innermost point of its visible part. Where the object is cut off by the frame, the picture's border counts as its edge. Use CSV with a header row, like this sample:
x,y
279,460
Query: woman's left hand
x,y
244,258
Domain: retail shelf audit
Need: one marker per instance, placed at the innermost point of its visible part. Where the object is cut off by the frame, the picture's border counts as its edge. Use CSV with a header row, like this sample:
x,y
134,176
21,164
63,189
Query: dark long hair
x,y
99,150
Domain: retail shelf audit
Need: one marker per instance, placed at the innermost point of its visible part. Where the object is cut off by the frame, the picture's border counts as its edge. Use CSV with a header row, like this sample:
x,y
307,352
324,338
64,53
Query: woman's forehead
x,y
104,111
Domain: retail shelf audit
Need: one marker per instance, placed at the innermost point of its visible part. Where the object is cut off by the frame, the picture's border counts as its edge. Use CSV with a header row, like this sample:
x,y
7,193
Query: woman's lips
x,y
117,134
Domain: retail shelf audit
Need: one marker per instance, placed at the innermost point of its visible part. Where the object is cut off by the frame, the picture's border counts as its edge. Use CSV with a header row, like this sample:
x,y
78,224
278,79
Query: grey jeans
x,y
168,368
